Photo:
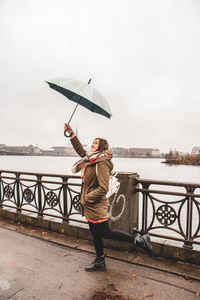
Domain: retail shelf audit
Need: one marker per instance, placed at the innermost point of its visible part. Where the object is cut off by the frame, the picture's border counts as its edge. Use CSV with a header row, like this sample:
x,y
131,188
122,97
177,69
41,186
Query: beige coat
x,y
94,190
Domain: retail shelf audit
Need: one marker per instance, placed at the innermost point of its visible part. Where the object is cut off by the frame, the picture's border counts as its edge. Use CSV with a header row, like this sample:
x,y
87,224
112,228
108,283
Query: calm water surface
x,y
146,168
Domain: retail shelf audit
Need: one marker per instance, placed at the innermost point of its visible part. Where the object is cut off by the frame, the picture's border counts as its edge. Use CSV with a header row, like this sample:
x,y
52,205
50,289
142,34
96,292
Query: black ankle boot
x,y
97,265
144,242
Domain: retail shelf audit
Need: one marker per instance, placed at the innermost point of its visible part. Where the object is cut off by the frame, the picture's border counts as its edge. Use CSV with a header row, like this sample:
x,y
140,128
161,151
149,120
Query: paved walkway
x,y
38,265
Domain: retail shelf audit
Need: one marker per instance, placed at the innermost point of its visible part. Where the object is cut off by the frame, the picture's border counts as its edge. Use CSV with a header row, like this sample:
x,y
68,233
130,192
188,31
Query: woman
x,y
96,166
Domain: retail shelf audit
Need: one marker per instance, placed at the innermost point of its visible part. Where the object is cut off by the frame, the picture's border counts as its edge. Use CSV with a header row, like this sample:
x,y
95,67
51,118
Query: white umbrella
x,y
82,93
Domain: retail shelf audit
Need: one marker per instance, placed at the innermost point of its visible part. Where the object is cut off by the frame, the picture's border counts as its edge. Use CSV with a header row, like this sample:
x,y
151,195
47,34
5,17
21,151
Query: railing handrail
x,y
166,182
41,180
40,174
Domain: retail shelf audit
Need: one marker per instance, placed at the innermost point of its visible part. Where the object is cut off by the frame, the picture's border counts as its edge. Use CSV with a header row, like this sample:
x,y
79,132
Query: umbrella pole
x,y
74,111
65,132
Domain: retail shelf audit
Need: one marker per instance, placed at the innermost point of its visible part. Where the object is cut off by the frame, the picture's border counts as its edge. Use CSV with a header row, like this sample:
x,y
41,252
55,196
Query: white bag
x,y
114,184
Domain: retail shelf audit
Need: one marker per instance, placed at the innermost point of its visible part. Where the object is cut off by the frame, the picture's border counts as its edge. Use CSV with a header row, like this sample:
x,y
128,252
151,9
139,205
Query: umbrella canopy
x,y
81,93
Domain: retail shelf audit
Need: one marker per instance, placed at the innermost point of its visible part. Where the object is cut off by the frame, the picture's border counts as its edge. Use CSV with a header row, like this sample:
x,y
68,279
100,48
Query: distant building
x,y
36,150
48,151
143,152
196,150
64,151
119,151
135,152
69,151
18,149
155,152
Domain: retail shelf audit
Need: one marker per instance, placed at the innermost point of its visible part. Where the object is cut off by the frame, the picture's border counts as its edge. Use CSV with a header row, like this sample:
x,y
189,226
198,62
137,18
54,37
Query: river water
x,y
147,168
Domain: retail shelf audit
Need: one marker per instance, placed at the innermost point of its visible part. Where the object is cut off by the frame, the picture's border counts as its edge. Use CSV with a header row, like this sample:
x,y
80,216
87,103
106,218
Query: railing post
x,y
144,201
124,206
65,205
188,241
39,178
0,192
144,209
18,192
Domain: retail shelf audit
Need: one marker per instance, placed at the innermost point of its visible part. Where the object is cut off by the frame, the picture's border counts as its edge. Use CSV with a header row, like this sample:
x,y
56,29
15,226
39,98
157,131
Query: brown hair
x,y
103,144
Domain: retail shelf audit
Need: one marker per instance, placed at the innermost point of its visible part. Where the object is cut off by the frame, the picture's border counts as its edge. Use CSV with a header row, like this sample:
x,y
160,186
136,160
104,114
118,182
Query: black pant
x,y
102,230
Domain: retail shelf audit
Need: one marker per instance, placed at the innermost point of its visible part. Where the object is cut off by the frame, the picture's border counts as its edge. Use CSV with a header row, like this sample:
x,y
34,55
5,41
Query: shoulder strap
x,y
96,170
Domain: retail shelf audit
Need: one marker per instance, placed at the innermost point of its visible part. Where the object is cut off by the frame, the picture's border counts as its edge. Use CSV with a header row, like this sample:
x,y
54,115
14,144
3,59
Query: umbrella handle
x,y
67,135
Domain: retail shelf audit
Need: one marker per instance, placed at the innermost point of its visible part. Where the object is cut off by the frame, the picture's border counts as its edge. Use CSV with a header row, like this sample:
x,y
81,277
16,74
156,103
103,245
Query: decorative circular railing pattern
x,y
8,191
52,199
76,202
166,215
28,195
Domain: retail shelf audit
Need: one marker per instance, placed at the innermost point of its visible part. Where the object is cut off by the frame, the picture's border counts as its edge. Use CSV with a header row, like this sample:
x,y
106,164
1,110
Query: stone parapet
x,y
124,205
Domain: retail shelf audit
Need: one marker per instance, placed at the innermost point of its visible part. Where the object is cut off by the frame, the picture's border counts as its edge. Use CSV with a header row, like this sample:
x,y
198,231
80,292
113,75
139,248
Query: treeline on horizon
x,y
187,159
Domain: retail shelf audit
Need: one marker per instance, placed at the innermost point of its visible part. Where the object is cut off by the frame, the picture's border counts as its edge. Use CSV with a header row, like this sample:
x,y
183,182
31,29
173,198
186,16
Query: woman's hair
x,y
103,144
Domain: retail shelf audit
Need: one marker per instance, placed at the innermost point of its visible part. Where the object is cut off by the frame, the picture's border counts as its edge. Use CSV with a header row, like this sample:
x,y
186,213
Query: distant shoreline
x,y
33,154
3,153
180,162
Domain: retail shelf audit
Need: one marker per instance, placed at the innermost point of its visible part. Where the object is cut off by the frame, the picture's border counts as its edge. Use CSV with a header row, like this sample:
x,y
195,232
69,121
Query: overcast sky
x,y
143,56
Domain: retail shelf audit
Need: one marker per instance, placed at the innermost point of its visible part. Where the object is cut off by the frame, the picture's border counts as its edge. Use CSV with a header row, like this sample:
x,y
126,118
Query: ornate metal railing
x,y
41,194
171,211
51,195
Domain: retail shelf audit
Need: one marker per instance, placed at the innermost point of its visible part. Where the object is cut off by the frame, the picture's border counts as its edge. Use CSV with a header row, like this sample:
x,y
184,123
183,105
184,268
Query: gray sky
x,y
143,56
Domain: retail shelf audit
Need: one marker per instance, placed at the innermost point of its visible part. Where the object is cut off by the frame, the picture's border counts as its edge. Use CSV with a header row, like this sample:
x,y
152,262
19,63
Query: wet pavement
x,y
35,264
